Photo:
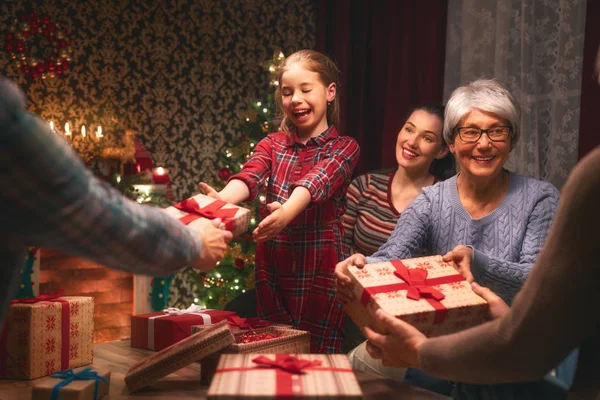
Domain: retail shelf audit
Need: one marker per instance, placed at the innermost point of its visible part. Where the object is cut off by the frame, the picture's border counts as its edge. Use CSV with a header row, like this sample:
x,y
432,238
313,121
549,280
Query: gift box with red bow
x,y
157,330
426,292
191,349
83,384
46,334
268,376
253,335
200,206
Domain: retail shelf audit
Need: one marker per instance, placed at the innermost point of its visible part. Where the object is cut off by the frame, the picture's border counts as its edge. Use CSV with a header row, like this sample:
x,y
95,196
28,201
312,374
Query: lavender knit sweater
x,y
506,242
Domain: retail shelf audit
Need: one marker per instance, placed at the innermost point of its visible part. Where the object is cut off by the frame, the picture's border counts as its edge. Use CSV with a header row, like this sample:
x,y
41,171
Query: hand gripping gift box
x,y
199,206
46,334
426,292
285,376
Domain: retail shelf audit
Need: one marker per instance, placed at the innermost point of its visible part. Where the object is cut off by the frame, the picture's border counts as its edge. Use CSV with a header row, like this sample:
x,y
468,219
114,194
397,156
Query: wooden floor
x,y
185,383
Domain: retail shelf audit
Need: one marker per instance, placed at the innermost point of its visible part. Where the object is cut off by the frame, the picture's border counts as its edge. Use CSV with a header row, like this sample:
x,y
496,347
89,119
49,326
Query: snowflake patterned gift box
x,y
191,349
426,292
46,334
286,376
158,330
199,206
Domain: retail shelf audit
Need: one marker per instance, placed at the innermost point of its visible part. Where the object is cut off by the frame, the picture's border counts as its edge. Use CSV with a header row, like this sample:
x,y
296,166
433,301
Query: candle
x,y
67,130
159,176
99,132
52,125
83,130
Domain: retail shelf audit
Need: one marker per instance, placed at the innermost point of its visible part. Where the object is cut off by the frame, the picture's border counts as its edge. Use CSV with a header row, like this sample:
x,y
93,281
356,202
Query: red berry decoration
x,y
37,44
224,174
239,263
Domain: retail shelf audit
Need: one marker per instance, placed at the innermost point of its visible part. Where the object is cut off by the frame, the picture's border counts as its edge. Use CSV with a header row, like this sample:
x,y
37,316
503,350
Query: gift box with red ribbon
x,y
191,349
157,330
426,292
253,335
199,206
298,376
46,334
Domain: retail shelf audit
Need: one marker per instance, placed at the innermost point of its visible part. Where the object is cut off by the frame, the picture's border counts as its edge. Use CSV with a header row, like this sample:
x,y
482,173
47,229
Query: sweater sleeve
x,y
553,301
50,199
508,277
409,237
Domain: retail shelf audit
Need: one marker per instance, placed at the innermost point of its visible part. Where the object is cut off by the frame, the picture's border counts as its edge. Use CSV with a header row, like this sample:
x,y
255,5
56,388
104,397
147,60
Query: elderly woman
x,y
491,222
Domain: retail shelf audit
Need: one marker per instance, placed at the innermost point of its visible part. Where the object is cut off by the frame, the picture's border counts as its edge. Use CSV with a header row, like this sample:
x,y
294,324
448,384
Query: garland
x,y
38,46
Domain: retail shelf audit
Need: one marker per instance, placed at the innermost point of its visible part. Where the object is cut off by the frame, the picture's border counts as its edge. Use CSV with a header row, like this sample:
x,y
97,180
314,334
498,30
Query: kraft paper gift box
x,y
83,384
158,330
426,292
191,349
289,340
46,334
200,206
270,376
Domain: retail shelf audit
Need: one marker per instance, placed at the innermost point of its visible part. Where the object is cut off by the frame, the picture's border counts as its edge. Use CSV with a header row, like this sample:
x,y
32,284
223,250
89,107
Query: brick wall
x,y
112,291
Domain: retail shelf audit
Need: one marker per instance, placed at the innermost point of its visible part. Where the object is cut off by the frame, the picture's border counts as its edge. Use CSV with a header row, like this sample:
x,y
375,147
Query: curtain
x,y
535,48
391,58
589,136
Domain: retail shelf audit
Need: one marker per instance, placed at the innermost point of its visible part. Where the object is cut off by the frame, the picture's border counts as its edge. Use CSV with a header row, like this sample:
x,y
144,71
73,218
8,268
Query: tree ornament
x,y
36,45
225,173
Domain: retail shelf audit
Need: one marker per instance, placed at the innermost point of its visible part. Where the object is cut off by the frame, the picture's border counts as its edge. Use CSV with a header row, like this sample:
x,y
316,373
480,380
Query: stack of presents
x,y
50,335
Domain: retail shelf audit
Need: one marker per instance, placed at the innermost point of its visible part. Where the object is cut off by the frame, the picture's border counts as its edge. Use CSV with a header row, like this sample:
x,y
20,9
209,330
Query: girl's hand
x,y
270,227
209,191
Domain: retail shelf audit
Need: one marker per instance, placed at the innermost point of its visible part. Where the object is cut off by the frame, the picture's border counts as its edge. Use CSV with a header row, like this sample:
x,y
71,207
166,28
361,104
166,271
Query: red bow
x,y
416,280
211,211
41,297
289,364
247,323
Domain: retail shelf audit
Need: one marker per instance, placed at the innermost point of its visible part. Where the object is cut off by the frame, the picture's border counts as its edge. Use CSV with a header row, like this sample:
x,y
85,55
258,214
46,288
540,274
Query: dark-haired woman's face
x,y
419,141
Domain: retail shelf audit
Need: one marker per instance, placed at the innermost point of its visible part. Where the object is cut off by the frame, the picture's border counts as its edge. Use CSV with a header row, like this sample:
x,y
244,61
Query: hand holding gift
x,y
461,257
214,243
344,287
400,346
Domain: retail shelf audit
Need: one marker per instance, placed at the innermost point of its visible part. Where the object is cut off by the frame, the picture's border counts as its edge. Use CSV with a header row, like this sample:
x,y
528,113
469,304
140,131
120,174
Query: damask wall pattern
x,y
179,72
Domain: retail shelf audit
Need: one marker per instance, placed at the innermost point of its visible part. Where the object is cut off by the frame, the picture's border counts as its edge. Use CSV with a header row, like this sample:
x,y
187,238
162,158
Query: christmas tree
x,y
234,274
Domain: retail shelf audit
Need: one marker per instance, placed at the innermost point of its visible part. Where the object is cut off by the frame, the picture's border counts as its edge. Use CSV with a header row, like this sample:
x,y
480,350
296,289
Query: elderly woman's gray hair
x,y
485,95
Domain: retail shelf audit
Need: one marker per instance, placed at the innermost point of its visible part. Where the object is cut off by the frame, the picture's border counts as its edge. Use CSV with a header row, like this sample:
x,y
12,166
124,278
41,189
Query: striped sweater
x,y
370,217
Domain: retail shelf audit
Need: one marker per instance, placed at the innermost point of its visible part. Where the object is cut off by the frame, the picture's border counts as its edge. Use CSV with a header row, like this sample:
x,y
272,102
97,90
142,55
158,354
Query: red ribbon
x,y
286,366
211,211
247,323
417,286
64,332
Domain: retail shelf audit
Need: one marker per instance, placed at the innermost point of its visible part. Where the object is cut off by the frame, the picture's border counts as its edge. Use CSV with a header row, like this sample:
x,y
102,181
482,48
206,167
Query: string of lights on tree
x,y
234,274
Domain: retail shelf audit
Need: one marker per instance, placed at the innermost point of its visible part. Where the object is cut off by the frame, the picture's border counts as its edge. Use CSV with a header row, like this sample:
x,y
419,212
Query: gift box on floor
x,y
46,334
179,355
270,339
83,384
200,206
426,292
269,376
158,330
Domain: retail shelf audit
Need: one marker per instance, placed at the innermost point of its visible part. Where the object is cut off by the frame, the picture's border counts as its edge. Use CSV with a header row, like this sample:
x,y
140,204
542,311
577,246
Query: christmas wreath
x,y
38,46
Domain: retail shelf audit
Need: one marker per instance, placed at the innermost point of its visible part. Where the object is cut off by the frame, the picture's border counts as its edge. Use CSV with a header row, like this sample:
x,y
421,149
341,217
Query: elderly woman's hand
x,y
400,347
461,257
343,283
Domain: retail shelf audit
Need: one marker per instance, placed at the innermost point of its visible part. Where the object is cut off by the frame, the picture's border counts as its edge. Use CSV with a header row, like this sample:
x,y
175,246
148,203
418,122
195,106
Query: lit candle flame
x,y
67,129
83,130
52,125
99,132
160,171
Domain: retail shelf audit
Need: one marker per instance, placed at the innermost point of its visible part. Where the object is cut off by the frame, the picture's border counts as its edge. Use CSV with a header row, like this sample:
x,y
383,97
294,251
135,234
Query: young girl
x,y
308,167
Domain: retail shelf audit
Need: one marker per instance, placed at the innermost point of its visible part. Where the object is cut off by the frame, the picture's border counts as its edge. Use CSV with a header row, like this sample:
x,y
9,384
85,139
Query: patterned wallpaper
x,y
177,71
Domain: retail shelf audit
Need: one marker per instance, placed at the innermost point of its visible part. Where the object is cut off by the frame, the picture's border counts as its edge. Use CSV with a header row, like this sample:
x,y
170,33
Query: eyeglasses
x,y
471,134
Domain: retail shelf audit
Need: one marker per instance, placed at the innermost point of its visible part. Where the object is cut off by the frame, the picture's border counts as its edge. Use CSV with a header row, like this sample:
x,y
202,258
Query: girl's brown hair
x,y
328,73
